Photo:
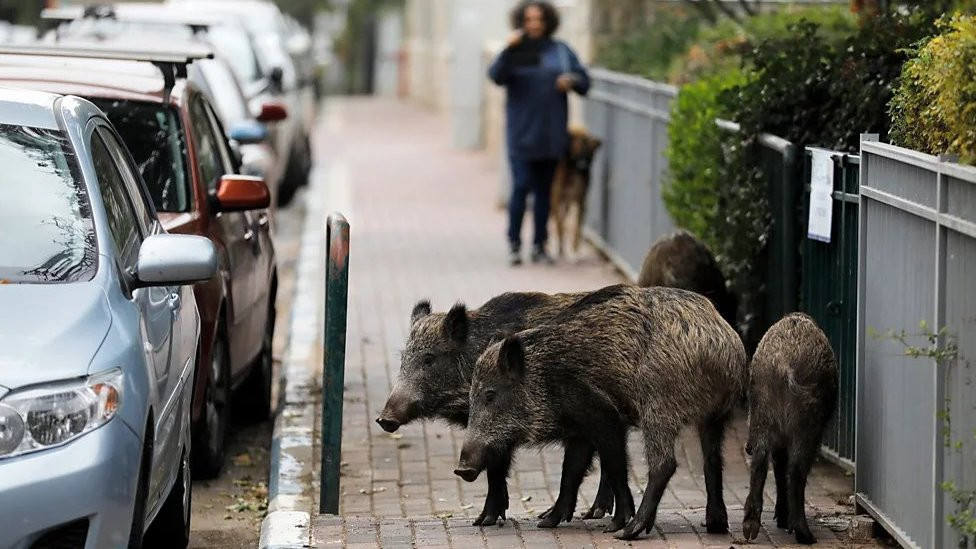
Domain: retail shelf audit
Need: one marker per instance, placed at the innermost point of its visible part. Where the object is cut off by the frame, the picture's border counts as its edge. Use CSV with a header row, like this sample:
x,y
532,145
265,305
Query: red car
x,y
177,141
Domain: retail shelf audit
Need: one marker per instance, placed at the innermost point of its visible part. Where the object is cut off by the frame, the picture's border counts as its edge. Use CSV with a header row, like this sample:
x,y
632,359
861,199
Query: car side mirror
x,y
175,259
272,111
237,193
248,133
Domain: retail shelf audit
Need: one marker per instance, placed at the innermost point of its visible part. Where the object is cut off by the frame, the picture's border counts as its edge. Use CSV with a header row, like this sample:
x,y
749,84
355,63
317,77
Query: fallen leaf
x,y
243,460
527,498
467,506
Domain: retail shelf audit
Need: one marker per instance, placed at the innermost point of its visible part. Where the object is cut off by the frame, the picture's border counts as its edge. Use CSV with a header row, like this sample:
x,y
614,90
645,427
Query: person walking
x,y
537,72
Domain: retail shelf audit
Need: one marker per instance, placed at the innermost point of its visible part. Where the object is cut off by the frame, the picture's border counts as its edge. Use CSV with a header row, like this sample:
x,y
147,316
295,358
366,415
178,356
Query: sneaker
x,y
514,257
539,255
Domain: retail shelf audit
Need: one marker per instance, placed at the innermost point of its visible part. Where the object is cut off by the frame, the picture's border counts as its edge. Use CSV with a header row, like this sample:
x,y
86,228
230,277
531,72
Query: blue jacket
x,y
536,112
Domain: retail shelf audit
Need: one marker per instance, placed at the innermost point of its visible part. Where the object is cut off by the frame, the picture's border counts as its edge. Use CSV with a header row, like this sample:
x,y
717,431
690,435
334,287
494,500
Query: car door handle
x,y
248,234
263,220
174,302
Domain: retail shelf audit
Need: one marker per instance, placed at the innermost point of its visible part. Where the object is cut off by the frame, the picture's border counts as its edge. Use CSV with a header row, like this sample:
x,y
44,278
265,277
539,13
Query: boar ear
x,y
499,336
595,143
511,357
456,323
420,310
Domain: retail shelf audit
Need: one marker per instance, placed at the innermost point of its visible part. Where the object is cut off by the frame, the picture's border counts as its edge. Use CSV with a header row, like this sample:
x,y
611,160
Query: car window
x,y
217,129
208,154
47,234
154,136
133,184
121,217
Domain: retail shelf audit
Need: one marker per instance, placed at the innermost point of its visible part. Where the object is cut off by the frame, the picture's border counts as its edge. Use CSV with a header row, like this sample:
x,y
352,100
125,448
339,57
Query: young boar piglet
x,y
436,368
792,394
654,358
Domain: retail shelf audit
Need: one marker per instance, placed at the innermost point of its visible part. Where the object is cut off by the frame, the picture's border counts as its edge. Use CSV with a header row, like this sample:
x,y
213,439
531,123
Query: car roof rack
x,y
157,14
172,63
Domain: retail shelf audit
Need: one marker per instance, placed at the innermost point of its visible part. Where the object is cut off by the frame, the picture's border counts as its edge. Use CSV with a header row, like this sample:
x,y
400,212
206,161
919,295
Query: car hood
x,y
50,332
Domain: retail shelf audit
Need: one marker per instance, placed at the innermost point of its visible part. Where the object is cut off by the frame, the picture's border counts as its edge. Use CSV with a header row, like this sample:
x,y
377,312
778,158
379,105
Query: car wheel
x,y
172,525
210,435
256,391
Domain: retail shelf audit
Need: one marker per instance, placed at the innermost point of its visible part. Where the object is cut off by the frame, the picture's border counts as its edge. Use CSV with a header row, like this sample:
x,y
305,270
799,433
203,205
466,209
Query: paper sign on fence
x,y
821,199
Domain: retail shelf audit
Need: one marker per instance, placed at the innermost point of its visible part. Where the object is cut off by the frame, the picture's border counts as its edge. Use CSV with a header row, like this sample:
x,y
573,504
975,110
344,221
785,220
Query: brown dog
x,y
570,184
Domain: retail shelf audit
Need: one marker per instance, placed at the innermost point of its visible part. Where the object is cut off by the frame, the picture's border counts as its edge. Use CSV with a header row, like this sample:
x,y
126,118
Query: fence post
x,y
333,358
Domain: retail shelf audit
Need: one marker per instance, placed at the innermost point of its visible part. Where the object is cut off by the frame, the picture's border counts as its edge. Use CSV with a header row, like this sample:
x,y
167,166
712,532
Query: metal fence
x,y
829,294
917,256
625,212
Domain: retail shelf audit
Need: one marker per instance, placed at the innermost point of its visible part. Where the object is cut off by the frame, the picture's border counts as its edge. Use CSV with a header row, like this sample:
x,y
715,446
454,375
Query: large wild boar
x,y
680,260
655,358
792,394
435,377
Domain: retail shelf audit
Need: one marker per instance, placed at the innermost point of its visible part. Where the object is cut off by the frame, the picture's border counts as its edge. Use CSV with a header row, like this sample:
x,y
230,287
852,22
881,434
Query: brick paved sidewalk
x,y
425,225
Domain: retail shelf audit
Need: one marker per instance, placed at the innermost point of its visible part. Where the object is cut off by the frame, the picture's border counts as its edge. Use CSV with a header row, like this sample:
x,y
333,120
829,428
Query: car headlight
x,y
52,414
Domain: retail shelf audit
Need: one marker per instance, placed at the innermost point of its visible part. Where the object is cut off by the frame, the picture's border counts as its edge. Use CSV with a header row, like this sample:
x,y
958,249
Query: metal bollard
x,y
333,359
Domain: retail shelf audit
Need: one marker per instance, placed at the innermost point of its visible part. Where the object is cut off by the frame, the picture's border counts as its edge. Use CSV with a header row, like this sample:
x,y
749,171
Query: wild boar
x,y
680,260
792,396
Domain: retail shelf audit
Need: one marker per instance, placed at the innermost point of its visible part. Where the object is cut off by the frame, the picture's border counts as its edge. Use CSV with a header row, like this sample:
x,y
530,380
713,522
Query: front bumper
x,y
92,478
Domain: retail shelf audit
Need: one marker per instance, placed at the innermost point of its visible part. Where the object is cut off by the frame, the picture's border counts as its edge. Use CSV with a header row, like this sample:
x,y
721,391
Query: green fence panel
x,y
829,294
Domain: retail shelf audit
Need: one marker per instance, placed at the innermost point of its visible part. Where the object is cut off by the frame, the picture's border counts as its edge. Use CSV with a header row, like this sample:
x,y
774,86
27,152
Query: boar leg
x,y
603,502
613,464
659,439
577,459
782,514
751,522
711,433
496,503
801,459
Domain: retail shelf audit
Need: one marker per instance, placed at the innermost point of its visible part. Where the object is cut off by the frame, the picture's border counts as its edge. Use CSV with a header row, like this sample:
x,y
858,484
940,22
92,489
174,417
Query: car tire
x,y
171,528
256,390
210,433
297,172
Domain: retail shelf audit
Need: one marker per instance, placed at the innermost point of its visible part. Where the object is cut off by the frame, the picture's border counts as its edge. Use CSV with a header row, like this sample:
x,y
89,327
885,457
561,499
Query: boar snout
x,y
399,410
472,461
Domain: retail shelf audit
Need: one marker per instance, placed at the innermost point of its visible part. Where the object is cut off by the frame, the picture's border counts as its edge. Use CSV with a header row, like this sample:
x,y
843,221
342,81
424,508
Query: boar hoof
x,y
600,509
717,527
782,519
804,536
631,531
554,517
616,524
750,528
547,512
490,516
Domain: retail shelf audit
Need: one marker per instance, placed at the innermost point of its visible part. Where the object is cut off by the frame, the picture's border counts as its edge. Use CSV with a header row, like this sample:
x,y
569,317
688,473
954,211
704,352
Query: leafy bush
x,y
719,47
811,92
694,154
648,52
934,108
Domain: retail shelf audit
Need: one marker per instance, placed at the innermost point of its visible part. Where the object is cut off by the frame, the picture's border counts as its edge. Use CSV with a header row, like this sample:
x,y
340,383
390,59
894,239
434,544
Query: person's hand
x,y
515,38
565,82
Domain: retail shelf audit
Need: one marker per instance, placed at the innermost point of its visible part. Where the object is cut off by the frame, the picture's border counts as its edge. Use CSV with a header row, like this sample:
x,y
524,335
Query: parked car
x,y
258,58
178,144
99,346
283,75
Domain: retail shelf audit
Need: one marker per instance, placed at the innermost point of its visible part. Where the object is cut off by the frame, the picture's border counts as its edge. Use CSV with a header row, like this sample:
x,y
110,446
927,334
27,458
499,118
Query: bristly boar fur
x,y
436,368
656,358
792,396
680,260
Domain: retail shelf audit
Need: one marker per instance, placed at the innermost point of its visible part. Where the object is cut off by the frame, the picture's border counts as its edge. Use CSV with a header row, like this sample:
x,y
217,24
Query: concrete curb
x,y
292,494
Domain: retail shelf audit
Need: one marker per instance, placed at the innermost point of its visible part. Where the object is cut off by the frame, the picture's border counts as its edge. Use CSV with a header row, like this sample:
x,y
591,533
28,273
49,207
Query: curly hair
x,y
550,15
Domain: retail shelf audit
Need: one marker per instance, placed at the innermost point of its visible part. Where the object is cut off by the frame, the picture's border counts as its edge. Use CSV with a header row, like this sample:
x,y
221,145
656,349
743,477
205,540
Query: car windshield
x,y
46,229
234,45
154,136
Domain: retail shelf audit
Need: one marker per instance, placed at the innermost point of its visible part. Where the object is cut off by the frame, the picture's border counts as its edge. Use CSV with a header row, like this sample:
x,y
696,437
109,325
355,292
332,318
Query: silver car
x,y
98,335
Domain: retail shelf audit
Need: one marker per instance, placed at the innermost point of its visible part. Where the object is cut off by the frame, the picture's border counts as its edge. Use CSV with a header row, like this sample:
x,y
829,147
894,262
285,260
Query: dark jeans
x,y
530,176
